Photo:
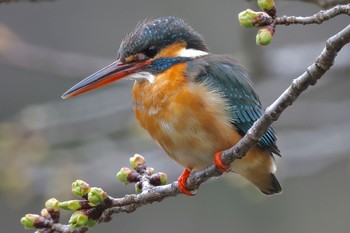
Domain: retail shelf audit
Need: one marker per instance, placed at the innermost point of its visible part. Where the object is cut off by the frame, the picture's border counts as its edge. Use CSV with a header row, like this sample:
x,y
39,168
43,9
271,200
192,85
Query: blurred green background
x,y
47,143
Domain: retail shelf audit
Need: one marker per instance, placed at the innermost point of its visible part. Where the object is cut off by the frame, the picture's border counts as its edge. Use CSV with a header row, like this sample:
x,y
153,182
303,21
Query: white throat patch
x,y
142,76
192,53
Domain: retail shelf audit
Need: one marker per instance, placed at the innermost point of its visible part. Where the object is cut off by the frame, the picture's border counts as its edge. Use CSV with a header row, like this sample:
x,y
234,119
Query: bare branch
x,y
250,18
318,18
325,3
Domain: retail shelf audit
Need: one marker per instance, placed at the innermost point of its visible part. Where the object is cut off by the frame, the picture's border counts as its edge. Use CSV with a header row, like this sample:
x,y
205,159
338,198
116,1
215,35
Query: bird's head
x,y
151,48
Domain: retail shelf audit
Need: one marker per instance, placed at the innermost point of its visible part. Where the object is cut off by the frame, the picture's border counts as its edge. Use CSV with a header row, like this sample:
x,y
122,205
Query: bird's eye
x,y
151,51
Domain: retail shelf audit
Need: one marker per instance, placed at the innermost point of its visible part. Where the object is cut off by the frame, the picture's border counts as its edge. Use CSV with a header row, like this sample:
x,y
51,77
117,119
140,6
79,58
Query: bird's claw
x,y
219,164
181,182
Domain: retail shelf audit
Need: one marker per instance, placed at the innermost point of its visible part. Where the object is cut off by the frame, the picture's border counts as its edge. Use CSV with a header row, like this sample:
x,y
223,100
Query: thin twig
x,y
325,3
317,18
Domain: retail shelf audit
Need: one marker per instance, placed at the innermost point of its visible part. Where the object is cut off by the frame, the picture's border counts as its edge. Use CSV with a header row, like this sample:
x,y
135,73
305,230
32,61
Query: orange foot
x,y
219,164
181,182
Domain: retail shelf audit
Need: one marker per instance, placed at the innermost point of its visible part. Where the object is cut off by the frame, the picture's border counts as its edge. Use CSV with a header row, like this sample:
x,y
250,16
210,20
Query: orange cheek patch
x,y
172,50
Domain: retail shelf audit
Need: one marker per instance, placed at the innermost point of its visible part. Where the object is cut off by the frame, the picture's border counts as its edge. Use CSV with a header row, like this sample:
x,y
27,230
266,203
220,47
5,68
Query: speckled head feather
x,y
151,35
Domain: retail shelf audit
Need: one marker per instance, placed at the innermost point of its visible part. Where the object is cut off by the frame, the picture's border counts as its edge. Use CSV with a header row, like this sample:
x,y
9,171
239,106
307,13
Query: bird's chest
x,y
185,119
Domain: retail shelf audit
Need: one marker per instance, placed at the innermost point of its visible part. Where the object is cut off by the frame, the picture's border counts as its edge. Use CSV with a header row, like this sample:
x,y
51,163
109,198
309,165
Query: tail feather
x,y
258,167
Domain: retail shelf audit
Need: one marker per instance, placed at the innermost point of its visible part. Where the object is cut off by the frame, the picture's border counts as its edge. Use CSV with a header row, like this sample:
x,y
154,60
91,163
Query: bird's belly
x,y
190,142
191,126
193,147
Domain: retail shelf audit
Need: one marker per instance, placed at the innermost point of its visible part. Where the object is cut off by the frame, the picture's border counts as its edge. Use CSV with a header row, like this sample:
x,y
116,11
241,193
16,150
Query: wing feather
x,y
222,75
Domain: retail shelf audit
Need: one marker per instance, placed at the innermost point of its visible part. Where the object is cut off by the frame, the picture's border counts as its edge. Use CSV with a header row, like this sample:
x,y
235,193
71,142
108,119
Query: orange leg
x,y
219,164
181,182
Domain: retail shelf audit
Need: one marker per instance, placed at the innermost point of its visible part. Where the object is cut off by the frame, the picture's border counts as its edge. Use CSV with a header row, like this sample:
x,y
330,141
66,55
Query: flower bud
x,y
29,220
72,205
80,188
78,219
137,160
266,5
264,36
91,223
123,174
52,204
96,196
160,178
247,17
163,178
250,18
45,213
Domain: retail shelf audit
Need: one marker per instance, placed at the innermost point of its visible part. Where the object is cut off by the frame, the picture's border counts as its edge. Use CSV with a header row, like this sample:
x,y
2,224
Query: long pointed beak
x,y
111,73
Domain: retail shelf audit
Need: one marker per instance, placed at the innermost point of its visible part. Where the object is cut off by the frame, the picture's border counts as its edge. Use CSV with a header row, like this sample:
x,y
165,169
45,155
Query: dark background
x,y
47,143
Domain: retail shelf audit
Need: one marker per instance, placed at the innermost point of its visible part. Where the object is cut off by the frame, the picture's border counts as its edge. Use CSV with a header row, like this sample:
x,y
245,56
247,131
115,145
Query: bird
x,y
194,104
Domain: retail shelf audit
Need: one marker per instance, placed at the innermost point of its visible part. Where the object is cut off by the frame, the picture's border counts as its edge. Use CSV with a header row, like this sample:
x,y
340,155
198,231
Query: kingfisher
x,y
194,104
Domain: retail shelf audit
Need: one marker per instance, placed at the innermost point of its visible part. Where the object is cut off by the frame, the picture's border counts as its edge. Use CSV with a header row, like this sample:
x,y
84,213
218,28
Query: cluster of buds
x,y
140,173
264,18
51,213
85,214
31,221
93,201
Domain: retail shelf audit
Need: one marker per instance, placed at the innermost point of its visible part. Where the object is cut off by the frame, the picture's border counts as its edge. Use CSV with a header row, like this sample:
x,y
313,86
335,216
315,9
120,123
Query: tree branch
x,y
318,18
250,18
325,3
322,3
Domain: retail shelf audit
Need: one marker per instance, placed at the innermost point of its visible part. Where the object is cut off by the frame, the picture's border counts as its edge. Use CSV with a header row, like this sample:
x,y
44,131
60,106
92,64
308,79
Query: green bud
x,y
163,178
91,223
78,219
80,188
249,19
96,196
264,36
160,178
123,174
29,220
71,205
137,160
246,18
266,5
52,204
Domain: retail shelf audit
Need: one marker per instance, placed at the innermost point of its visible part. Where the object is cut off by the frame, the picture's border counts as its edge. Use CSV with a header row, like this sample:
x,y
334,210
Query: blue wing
x,y
221,74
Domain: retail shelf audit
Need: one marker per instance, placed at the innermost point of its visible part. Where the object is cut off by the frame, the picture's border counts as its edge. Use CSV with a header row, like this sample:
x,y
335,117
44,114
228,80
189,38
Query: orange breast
x,y
184,118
